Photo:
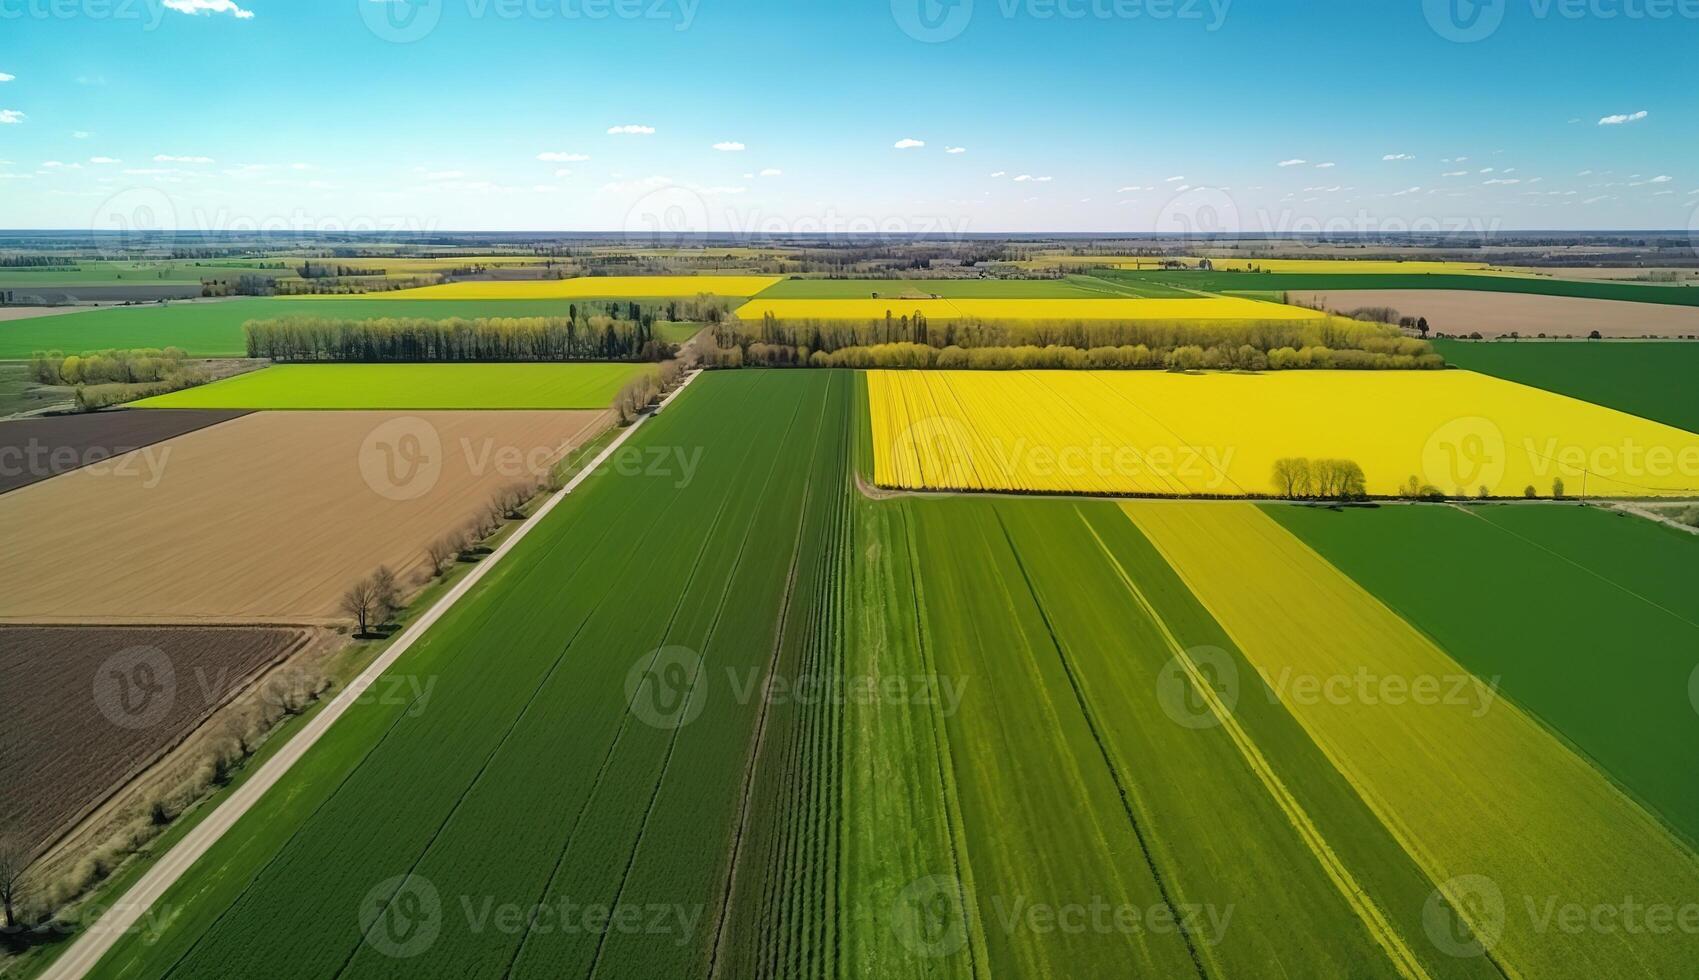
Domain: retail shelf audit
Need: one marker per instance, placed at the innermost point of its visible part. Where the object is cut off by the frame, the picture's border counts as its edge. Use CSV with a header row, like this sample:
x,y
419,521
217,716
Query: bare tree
x,y
386,595
13,860
360,601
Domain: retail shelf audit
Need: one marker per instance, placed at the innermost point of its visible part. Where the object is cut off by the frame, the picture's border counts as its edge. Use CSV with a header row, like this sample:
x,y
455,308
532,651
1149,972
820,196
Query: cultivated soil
x,y
86,709
34,449
1467,311
267,518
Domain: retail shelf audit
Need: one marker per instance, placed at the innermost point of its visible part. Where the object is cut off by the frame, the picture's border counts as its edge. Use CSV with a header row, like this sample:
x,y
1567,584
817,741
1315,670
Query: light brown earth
x,y
1491,314
268,518
30,312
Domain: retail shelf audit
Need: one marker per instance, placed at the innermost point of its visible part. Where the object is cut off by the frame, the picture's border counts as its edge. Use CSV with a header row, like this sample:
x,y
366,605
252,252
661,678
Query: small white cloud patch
x,y
631,129
10,117
908,144
955,149
729,146
556,157
192,7
1395,157
1293,163
1624,118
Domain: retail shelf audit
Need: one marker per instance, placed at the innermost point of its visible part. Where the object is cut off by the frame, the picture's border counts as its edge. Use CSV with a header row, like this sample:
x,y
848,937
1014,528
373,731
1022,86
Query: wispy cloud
x,y
1293,163
103,161
1497,181
209,7
631,129
729,146
955,149
561,157
1326,166
7,78
167,158
999,173
1029,177
1619,120
81,134
772,172
1173,180
1406,192
10,117
563,172
1455,173
908,144
1395,157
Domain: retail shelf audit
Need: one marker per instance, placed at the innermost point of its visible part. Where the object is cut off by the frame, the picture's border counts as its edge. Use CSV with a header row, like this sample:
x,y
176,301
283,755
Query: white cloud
x,y
563,173
1489,170
1662,179
1173,180
1619,120
555,157
10,117
908,144
772,172
445,175
1595,200
7,78
81,134
59,165
1326,166
1406,191
631,130
1501,181
1585,173
1293,163
1036,180
955,149
1455,173
1395,157
167,158
102,161
1000,173
209,7
729,146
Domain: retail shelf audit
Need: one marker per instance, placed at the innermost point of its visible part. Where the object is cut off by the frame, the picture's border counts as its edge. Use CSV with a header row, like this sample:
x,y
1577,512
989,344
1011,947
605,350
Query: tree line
x,y
914,342
595,337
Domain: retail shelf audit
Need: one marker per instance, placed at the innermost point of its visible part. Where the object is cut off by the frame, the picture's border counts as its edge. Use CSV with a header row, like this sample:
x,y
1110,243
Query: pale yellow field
x,y
1329,266
1505,819
1223,308
1136,433
681,287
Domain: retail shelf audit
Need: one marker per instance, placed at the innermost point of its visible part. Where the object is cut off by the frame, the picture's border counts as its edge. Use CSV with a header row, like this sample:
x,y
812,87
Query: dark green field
x,y
1588,618
1652,380
214,329
1262,282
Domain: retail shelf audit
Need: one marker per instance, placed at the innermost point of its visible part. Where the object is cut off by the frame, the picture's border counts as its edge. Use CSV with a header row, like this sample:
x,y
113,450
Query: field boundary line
x,y
1368,912
92,946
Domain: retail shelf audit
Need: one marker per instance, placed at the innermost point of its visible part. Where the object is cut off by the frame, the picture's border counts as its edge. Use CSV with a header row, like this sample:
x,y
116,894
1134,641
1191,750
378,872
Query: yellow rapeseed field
x,y
1222,308
658,287
1137,433
1506,820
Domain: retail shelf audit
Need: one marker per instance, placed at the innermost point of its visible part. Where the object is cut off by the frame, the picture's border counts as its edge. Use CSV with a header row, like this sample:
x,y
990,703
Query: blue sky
x,y
1122,115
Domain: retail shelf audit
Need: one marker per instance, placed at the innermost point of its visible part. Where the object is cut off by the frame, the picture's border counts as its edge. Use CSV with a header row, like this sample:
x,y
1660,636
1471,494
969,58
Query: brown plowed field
x,y
1462,312
31,450
264,519
86,709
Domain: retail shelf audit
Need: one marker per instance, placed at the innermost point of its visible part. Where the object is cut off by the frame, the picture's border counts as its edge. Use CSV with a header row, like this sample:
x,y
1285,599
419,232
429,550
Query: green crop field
x,y
1586,616
592,706
410,386
1650,379
1264,282
214,329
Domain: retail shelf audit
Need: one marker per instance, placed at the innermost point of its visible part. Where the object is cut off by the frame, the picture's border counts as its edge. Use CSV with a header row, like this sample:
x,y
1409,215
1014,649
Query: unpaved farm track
x,y
264,519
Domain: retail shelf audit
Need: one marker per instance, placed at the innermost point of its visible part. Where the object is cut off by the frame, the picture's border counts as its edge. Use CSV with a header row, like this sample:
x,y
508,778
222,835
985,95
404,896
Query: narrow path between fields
x,y
127,911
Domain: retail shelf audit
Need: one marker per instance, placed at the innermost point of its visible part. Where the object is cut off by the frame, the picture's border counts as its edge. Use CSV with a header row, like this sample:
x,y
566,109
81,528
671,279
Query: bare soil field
x,y
30,312
31,450
265,519
1491,314
87,709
